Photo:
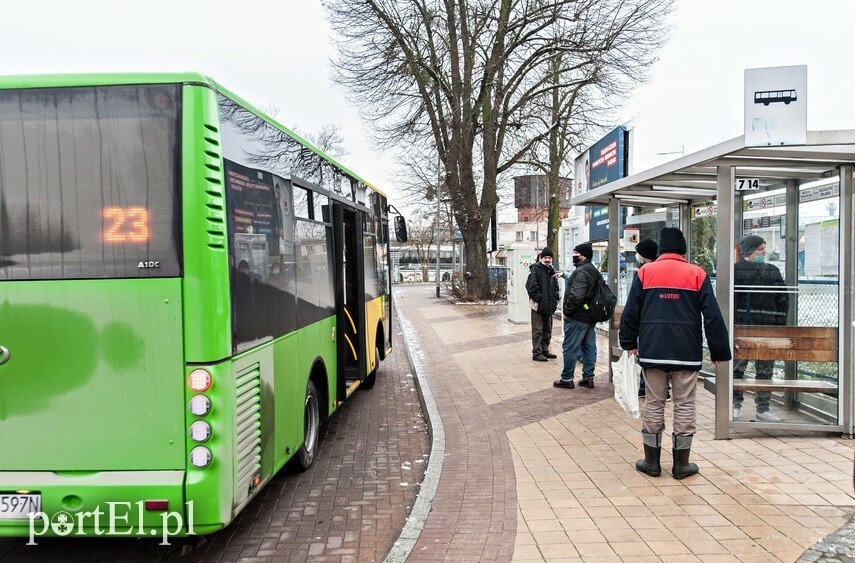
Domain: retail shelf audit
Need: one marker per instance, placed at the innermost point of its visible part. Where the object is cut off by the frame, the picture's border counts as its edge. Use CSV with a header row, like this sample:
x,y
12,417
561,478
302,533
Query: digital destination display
x,y
125,224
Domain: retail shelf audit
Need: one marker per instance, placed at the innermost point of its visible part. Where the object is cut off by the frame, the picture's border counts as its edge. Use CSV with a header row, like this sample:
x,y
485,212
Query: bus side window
x,y
301,202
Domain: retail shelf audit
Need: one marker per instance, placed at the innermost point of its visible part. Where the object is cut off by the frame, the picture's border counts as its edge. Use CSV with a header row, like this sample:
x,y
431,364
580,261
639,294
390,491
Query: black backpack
x,y
602,303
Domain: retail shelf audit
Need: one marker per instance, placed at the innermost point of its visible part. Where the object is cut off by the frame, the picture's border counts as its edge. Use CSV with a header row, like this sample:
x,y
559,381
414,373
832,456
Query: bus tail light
x,y
200,457
200,405
199,380
157,505
200,431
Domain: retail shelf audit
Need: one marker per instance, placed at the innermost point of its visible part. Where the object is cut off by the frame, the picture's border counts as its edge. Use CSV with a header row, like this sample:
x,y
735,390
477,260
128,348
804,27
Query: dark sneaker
x,y
564,384
587,382
539,358
550,355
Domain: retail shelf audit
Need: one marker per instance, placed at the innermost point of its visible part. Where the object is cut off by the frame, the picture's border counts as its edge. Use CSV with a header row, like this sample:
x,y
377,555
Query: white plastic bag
x,y
625,374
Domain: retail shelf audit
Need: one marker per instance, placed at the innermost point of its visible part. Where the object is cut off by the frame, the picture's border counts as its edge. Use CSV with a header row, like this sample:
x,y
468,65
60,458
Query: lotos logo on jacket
x,y
669,296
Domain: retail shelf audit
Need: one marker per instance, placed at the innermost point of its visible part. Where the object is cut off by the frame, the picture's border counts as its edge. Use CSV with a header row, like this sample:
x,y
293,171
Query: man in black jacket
x,y
542,288
579,335
762,306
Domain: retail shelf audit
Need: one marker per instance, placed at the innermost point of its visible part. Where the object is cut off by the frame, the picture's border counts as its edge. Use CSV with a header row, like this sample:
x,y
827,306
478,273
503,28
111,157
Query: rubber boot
x,y
682,448
652,451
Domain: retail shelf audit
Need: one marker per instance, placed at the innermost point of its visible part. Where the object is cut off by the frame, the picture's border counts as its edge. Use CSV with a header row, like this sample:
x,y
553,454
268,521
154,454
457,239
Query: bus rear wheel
x,y
311,430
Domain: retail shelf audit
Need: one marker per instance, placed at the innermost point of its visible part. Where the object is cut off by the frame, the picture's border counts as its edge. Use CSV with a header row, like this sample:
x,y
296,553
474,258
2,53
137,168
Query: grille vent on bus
x,y
248,432
216,201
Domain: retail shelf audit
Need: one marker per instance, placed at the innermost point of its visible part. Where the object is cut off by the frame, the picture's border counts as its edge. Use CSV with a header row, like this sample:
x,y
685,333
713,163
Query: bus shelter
x,y
796,356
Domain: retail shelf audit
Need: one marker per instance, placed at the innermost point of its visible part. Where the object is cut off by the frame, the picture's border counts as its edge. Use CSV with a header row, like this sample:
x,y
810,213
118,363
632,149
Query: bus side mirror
x,y
400,229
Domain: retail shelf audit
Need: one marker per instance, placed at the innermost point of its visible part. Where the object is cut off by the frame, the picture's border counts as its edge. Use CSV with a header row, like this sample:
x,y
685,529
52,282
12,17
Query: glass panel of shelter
x,y
641,223
785,304
785,307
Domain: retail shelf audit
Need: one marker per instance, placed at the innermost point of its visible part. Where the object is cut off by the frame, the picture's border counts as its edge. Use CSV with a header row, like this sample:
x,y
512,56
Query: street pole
x,y
536,218
438,199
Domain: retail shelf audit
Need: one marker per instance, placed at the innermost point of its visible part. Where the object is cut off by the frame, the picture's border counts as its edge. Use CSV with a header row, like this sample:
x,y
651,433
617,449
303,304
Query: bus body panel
x,y
375,316
208,337
120,493
256,419
96,366
295,355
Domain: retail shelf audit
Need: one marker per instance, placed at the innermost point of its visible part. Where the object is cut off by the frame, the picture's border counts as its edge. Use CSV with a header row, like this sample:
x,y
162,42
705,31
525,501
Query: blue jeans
x,y
579,338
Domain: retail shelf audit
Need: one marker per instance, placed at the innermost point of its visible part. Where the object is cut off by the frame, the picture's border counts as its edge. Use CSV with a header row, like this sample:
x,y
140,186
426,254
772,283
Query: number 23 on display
x,y
125,224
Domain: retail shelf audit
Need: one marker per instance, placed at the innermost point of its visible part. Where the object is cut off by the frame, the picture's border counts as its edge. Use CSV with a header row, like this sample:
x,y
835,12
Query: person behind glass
x,y
646,251
761,306
542,288
277,275
579,335
669,303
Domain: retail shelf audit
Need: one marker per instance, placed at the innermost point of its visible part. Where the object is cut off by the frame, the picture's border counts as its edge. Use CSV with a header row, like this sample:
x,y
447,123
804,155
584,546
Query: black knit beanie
x,y
671,241
647,249
749,244
585,250
546,252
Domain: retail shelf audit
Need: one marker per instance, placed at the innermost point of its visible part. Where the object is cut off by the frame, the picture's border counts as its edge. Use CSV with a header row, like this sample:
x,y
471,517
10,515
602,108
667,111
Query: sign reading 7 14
x,y
746,184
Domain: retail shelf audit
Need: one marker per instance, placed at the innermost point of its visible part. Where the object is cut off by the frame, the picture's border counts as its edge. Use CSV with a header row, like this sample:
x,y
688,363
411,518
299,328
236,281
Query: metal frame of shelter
x,y
708,175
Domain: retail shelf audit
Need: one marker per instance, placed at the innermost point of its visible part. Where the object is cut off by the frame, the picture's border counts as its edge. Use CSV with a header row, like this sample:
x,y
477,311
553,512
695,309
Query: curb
x,y
421,508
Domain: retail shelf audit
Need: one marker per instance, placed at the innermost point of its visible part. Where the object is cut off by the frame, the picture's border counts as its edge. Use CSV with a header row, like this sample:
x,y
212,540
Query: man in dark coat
x,y
764,305
670,301
579,334
542,288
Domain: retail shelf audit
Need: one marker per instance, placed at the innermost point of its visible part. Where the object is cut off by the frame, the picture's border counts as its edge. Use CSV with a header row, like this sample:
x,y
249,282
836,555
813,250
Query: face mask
x,y
576,260
638,258
759,259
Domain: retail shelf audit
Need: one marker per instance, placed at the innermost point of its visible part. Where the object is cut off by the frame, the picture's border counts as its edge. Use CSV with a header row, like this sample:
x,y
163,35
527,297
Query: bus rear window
x,y
89,183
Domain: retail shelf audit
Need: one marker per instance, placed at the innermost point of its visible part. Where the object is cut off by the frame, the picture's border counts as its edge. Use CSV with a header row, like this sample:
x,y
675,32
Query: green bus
x,y
186,289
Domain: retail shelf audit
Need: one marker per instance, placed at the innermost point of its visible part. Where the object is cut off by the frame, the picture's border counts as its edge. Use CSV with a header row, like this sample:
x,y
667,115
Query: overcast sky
x,y
275,55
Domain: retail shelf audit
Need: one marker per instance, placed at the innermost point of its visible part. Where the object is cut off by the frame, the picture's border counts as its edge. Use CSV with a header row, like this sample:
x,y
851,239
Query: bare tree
x,y
570,115
461,78
422,236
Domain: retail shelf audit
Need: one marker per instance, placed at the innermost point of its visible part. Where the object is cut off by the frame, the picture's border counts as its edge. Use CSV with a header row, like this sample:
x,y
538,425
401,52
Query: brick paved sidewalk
x,y
534,473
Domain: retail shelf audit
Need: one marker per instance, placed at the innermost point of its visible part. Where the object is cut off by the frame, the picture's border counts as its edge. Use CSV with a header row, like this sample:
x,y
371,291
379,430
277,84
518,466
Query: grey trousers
x,y
541,333
683,386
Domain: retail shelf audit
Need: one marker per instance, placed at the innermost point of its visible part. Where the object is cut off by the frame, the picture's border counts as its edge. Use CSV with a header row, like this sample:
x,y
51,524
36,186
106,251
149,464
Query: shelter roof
x,y
693,178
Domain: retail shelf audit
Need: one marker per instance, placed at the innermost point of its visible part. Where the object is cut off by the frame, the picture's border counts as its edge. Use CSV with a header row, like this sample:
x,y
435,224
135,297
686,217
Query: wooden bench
x,y
764,342
796,343
792,385
787,343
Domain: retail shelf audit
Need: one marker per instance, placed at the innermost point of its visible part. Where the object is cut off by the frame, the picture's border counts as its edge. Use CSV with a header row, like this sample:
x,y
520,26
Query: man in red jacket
x,y
669,302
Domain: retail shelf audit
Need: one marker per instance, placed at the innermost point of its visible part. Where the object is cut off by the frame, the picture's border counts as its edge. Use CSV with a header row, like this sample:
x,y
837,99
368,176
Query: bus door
x,y
350,299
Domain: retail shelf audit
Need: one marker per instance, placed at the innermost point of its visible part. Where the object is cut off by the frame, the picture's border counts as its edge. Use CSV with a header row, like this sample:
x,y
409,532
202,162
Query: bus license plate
x,y
16,505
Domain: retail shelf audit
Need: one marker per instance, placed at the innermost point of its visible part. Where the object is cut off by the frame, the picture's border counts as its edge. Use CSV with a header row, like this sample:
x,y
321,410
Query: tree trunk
x,y
475,274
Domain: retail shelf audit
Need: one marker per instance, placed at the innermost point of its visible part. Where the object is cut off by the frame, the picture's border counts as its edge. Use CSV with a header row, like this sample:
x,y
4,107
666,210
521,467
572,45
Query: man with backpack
x,y
579,335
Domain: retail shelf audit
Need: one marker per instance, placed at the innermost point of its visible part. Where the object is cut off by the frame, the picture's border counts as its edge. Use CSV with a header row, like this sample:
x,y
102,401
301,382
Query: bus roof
x,y
111,79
